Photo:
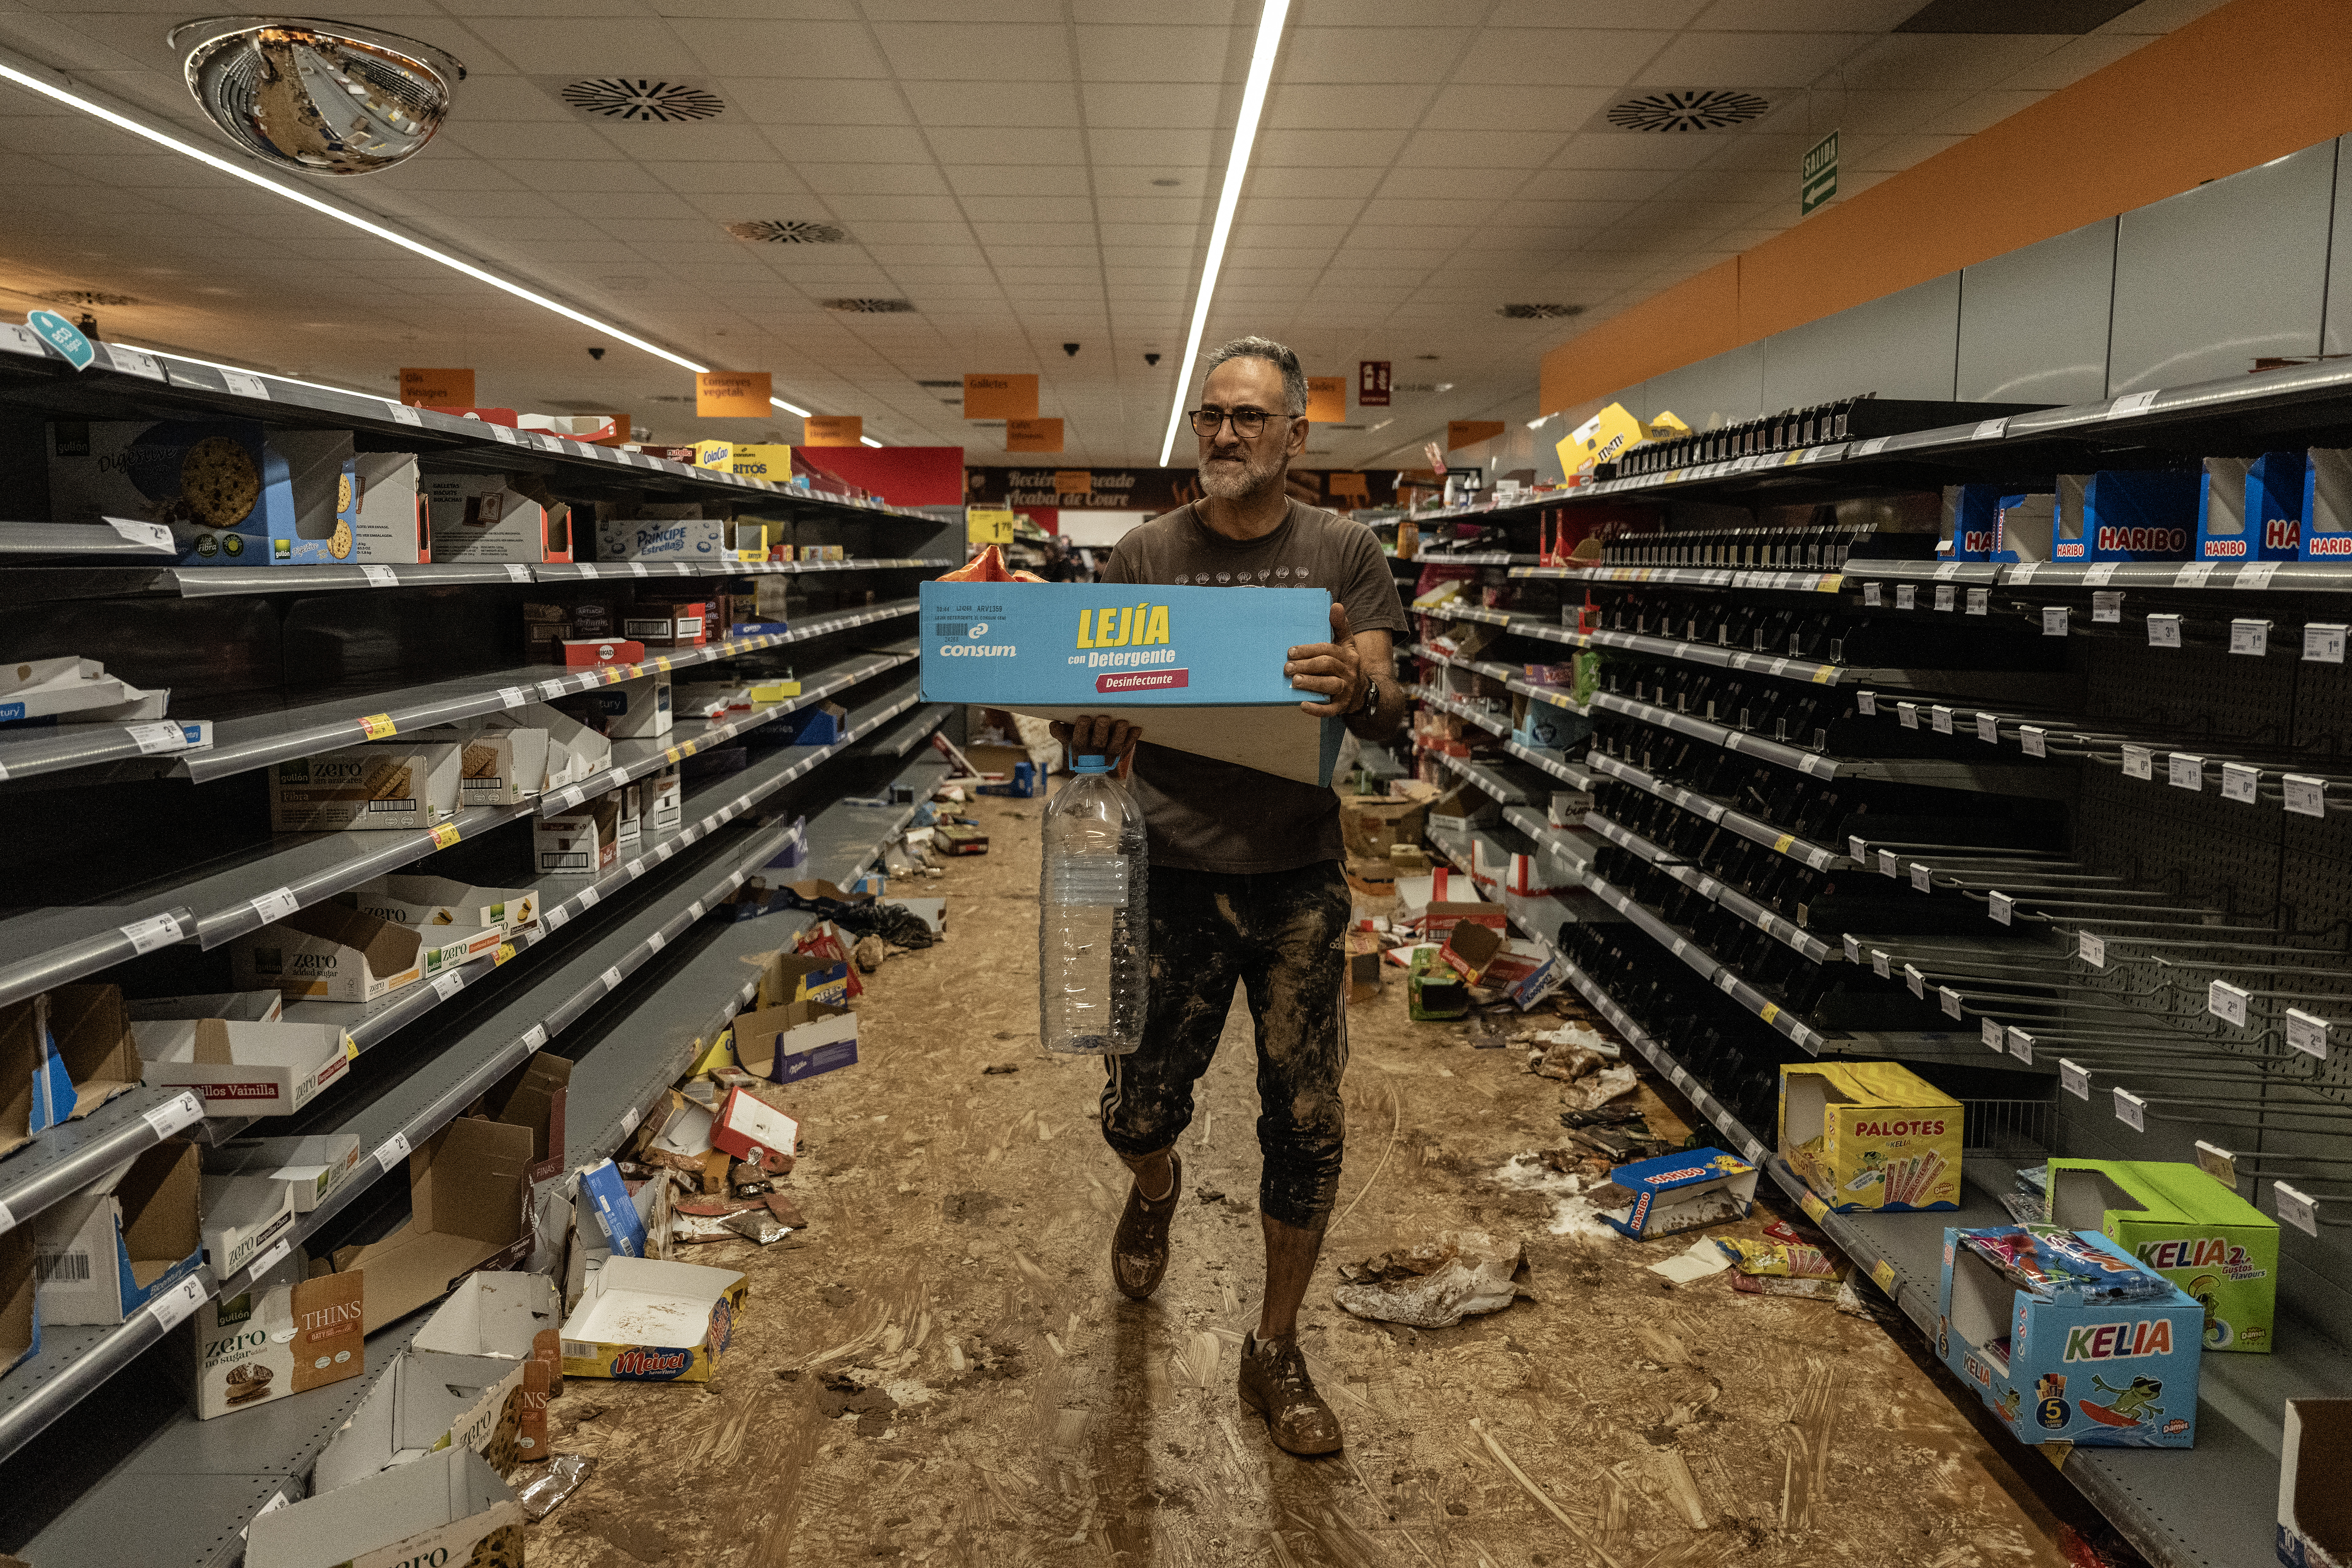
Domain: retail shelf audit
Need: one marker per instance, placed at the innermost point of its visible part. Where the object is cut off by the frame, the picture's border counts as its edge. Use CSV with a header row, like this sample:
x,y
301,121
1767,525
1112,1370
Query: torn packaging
x,y
535,1095
800,1040
116,1246
752,1130
468,1208
1454,1275
91,1056
425,1401
648,1321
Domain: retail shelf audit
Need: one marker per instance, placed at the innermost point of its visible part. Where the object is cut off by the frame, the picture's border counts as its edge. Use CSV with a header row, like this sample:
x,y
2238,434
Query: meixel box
x,y
2251,509
644,1320
1197,669
2182,1224
1682,1191
1870,1135
2059,1368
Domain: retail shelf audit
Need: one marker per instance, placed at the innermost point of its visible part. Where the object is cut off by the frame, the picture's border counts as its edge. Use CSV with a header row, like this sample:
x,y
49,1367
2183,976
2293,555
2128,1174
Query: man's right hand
x,y
1098,735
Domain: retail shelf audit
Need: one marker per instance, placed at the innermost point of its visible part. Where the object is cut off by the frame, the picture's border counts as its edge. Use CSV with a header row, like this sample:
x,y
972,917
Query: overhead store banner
x,y
732,394
833,429
437,388
1372,384
1156,491
1461,433
1327,399
1033,434
1000,397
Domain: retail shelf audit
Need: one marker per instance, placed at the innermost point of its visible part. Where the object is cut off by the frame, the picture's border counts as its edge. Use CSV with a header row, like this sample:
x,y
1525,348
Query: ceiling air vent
x,y
1695,109
85,297
957,384
1539,313
870,307
647,99
787,231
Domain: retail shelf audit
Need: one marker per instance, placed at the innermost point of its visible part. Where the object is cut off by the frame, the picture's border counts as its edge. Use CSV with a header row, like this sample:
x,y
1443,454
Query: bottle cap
x,y
1090,764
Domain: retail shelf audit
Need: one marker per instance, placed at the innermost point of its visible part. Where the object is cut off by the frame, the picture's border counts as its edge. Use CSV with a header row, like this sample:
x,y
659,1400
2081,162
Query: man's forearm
x,y
1386,717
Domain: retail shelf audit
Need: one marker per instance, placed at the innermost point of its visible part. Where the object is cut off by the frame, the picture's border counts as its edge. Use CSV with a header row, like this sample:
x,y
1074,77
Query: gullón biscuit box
x,y
2182,1224
1870,1135
1199,669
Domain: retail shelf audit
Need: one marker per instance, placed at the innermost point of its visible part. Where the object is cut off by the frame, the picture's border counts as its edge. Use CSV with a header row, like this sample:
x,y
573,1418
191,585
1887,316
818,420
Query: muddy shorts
x,y
1283,937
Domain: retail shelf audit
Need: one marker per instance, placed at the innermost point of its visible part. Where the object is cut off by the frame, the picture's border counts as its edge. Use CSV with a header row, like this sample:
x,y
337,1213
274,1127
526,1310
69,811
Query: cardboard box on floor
x,y
120,1242
2189,1227
237,1051
426,1401
644,1321
327,952
514,1318
1684,1191
448,1507
799,1039
283,1334
468,1208
2315,1510
2115,1374
93,1056
1870,1135
1199,669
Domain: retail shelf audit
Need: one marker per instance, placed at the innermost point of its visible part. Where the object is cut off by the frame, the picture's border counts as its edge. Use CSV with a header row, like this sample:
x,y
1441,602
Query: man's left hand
x,y
1330,667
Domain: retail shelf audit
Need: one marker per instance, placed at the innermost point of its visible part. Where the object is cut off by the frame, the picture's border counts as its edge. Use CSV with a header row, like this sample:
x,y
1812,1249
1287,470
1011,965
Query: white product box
x,y
575,753
661,803
443,1508
237,1050
425,1400
37,688
583,842
242,1216
328,952
499,764
393,784
122,1241
380,508
309,1167
433,903
632,711
485,516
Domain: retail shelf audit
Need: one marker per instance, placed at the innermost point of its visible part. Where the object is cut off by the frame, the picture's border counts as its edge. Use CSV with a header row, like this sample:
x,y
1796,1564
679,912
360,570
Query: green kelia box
x,y
2187,1226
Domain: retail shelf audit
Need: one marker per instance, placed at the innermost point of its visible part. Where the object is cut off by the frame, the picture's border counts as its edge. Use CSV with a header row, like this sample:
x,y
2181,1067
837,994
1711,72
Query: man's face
x,y
1232,468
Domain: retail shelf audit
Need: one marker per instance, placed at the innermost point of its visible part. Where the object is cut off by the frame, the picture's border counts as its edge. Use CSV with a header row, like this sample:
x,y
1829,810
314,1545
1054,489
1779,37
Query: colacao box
x,y
2115,1374
282,1334
1199,669
2189,1227
449,1507
2251,509
2315,1528
432,903
2126,514
1870,1135
644,1320
237,1050
1682,1191
122,1241
309,1167
390,785
327,952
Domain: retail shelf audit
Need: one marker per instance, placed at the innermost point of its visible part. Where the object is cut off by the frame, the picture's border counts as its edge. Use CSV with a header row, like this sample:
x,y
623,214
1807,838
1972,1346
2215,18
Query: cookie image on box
x,y
219,482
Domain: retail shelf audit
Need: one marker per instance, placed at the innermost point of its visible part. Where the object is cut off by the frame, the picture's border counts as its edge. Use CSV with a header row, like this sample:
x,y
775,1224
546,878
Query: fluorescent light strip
x,y
867,441
1261,72
234,171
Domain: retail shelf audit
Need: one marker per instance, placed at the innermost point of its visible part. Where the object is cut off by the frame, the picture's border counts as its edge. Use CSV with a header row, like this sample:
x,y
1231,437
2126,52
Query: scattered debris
x,y
999,1070
1572,1212
1454,1275
1592,1093
869,953
551,1486
1702,1258
757,1225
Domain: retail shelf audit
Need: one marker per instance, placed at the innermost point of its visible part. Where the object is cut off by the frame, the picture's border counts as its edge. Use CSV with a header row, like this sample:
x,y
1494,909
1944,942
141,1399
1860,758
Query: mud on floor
x,y
938,1371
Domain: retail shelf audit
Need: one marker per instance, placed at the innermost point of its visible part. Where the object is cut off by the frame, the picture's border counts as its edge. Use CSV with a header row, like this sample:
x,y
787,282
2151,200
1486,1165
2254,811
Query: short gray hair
x,y
1294,380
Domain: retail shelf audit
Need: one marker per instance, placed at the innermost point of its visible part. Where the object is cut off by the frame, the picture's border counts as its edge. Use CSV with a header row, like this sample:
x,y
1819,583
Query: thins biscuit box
x,y
2182,1224
282,1334
1870,1135
1682,1191
1197,669
2059,1367
644,1320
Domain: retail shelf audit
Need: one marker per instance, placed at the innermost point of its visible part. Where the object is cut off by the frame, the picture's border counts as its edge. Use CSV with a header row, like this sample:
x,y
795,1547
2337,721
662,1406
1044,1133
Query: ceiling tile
x,y
1631,150
856,209
764,179
1899,61
2073,60
1549,56
1813,17
1025,232
1153,149
1488,149
951,234
1311,106
1023,253
859,179
1140,185
586,46
800,100
976,51
1481,108
1361,54
1750,60
1037,104
822,51
1044,212
989,145
1328,148
1299,210
1187,106
503,142
1175,234
1162,54
851,143
1458,186
1596,185
1017,180
1282,185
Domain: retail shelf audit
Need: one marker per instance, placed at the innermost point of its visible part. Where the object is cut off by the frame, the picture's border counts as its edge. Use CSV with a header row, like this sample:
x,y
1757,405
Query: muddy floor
x,y
938,1370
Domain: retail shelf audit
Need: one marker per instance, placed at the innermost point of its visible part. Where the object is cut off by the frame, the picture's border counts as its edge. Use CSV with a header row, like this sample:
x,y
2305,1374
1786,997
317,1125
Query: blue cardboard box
x,y
2327,504
2251,509
2057,1366
607,1196
1198,669
2126,514
1682,1191
2021,526
1971,521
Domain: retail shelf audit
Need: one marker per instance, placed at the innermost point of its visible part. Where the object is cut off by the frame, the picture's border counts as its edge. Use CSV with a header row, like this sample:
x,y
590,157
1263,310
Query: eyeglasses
x,y
1248,424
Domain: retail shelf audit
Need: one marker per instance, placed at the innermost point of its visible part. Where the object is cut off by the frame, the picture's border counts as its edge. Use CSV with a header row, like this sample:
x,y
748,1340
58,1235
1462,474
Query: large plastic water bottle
x,y
1091,952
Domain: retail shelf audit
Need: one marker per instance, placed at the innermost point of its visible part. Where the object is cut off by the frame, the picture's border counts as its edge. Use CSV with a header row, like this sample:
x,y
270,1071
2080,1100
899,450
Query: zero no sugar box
x,y
1199,669
1870,1135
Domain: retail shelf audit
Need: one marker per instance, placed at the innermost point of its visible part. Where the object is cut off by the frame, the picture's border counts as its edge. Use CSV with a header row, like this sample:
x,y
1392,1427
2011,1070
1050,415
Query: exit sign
x,y
1819,174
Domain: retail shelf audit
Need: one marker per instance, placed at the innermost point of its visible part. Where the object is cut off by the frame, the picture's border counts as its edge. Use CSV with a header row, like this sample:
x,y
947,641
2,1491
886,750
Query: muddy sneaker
x,y
1138,1249
1274,1383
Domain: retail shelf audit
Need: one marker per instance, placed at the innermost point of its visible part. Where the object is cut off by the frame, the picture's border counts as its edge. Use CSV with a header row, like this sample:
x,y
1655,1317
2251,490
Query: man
x,y
1246,885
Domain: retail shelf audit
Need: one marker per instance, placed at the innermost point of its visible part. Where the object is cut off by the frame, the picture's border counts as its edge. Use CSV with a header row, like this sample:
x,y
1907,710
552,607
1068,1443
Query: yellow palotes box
x,y
1870,1135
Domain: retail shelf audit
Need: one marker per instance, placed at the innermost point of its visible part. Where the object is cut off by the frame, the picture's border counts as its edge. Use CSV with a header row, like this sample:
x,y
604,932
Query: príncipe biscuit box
x,y
1199,669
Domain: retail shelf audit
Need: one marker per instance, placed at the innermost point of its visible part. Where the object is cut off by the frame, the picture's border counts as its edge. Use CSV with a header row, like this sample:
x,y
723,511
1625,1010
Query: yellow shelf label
x,y
376,726
1832,583
1813,1207
671,755
662,665
1883,1272
1781,843
444,836
1822,676
1771,1011
506,950
350,1049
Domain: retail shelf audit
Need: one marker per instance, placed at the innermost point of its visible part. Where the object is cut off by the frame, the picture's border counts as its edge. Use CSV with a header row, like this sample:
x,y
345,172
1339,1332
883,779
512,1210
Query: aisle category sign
x,y
1000,397
1461,433
1327,399
732,394
1033,434
833,429
437,388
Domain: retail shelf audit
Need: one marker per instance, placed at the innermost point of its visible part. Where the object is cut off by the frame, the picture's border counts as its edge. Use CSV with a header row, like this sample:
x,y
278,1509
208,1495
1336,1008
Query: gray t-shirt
x,y
1207,815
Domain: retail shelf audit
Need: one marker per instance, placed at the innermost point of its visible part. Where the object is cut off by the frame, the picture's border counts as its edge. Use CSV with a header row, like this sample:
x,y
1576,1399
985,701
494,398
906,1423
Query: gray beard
x,y
1252,483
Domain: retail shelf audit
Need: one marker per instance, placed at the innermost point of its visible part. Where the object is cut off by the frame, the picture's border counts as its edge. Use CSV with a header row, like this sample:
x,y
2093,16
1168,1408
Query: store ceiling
x,y
1023,172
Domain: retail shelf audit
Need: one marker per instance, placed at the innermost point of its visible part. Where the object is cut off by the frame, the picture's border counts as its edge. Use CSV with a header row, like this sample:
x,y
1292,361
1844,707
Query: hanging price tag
x,y
2226,1002
1950,999
449,985
1921,882
2129,403
391,1152
1944,597
1917,980
1889,865
2107,608
1870,598
1988,728
2305,795
2217,1162
1989,1032
2001,907
1866,704
2185,769
2297,1209
2307,1033
2091,949
2074,1079
1907,596
2021,1045
276,905
1940,720
2140,761
2239,782
2033,740
402,413
1852,949
2053,620
178,1304
1907,715
1880,964
2250,636
2164,631
2131,1110
2323,643
154,932
1980,600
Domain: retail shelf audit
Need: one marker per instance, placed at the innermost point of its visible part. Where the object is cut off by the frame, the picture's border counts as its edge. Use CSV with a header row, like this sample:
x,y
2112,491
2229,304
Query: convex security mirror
x,y
324,98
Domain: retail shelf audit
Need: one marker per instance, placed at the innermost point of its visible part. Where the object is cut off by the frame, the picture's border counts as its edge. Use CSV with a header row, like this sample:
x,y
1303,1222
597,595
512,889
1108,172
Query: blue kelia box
x,y
1199,669
2068,1339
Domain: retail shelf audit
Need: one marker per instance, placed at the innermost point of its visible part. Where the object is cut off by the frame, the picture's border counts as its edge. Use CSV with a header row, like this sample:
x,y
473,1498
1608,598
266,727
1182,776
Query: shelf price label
x,y
1814,1209
182,1110
1991,429
2164,631
1883,1273
449,985
2076,1080
2131,1110
178,1304
2033,740
1990,1033
2185,769
2021,1045
2250,636
2307,1033
2239,782
402,413
2001,907
2053,620
2297,1209
154,932
446,835
2140,761
276,905
2305,795
1980,600
2227,1002
2323,643
517,573
2092,950
2107,608
391,1152
378,726
2129,403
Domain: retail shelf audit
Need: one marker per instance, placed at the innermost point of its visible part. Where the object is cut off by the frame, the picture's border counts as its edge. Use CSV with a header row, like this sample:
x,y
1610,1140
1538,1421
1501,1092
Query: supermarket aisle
x,y
938,1371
